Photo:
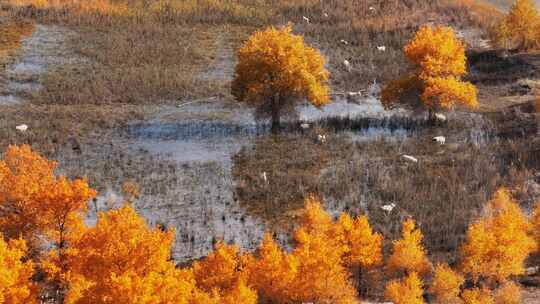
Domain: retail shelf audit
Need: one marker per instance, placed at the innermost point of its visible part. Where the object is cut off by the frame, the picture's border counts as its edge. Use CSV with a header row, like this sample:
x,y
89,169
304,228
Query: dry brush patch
x,y
443,192
52,127
138,63
363,25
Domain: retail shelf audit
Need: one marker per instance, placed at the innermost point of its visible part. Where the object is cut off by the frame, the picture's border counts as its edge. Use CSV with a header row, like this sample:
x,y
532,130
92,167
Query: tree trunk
x,y
432,119
276,123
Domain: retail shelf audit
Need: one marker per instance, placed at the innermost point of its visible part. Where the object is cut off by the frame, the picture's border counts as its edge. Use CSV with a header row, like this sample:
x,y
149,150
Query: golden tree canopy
x,y
446,285
406,291
275,62
498,243
220,269
520,26
408,253
122,260
276,69
16,286
34,201
363,245
508,293
439,61
273,272
436,52
477,296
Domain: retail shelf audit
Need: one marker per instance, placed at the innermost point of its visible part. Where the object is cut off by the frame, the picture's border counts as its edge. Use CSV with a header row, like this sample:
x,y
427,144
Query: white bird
x,y
410,158
347,65
343,41
371,8
441,140
304,126
321,138
22,128
263,175
381,48
306,19
325,15
388,208
440,117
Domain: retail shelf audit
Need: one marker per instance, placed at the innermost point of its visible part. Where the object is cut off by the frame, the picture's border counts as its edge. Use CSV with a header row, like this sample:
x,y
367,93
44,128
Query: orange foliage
x,y
520,26
322,276
446,284
535,222
448,92
363,246
436,52
276,69
499,242
408,253
16,286
273,272
477,296
440,62
121,260
508,293
35,202
406,291
219,270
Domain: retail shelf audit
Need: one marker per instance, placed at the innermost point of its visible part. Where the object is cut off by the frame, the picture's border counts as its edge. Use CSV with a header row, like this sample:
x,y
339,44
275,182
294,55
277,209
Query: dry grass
x,y
52,127
443,192
11,34
142,63
170,41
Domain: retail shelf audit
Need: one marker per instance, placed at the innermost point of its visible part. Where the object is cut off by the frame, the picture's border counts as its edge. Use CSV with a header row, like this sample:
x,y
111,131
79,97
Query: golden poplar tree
x,y
363,245
535,222
477,296
521,26
498,243
34,202
322,273
508,293
275,70
446,285
16,286
322,276
220,269
408,253
273,272
121,260
440,62
240,293
405,291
